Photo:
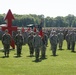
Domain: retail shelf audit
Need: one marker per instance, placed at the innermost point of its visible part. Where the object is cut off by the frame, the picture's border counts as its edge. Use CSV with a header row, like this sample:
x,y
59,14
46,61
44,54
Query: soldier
x,y
37,45
72,40
67,38
51,33
54,41
44,44
30,43
6,41
60,39
46,38
19,42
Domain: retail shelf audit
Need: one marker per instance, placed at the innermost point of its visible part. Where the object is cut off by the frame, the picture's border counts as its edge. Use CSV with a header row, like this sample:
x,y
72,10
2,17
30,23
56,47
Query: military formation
x,y
37,44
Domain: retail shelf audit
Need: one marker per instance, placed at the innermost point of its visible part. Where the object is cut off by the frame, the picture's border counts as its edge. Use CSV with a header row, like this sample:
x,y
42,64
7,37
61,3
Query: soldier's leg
x,y
17,50
5,50
54,51
68,45
37,53
59,45
8,48
31,50
43,52
73,46
20,50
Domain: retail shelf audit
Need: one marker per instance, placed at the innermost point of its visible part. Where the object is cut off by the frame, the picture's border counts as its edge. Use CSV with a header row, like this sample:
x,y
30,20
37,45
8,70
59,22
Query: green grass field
x,y
63,64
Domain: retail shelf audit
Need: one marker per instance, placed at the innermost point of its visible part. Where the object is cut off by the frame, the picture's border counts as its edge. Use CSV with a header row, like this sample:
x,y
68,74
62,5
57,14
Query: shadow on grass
x,y
73,51
30,56
54,55
4,57
17,56
43,58
1,50
37,61
60,49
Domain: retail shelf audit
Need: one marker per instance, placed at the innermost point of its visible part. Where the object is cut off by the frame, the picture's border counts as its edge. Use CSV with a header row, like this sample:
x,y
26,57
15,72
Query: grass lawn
x,y
63,64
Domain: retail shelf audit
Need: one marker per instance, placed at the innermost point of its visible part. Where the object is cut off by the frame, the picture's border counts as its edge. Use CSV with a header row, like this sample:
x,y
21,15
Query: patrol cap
x,y
18,31
37,31
31,32
54,31
6,30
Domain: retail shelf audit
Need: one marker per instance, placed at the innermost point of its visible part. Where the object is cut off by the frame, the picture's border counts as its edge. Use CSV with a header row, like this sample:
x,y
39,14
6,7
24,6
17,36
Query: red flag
x,y
40,29
23,30
34,29
28,29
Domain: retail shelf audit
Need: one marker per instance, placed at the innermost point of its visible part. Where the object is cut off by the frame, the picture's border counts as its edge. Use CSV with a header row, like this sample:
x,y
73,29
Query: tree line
x,y
24,20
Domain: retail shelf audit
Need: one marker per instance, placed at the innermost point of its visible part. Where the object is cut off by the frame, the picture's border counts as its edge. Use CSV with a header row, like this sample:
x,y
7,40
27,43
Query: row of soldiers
x,y
35,42
57,38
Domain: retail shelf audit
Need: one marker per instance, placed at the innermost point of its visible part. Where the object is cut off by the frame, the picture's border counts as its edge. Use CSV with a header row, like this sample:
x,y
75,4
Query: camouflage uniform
x,y
30,43
51,33
25,36
37,45
6,40
43,48
46,38
54,41
60,39
19,42
67,38
72,40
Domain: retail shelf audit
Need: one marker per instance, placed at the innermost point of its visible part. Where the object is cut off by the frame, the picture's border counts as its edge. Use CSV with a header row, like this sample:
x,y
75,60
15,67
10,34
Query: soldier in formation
x,y
44,44
6,41
19,42
37,45
54,42
60,39
72,40
67,38
31,43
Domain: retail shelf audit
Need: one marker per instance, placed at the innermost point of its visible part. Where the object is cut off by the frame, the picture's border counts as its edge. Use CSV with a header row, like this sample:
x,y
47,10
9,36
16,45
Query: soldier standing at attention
x,y
30,43
43,48
72,40
54,41
6,41
68,39
19,43
37,45
60,39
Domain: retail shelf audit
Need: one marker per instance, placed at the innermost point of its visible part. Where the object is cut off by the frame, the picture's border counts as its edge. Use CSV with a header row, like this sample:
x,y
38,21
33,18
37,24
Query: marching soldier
x,y
6,41
19,43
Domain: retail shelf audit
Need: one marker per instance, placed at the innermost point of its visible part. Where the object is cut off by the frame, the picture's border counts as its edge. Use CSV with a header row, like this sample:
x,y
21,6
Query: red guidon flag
x,y
40,29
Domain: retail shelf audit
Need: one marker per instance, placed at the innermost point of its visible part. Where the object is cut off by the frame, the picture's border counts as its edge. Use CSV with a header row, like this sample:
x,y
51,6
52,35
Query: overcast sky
x,y
50,8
